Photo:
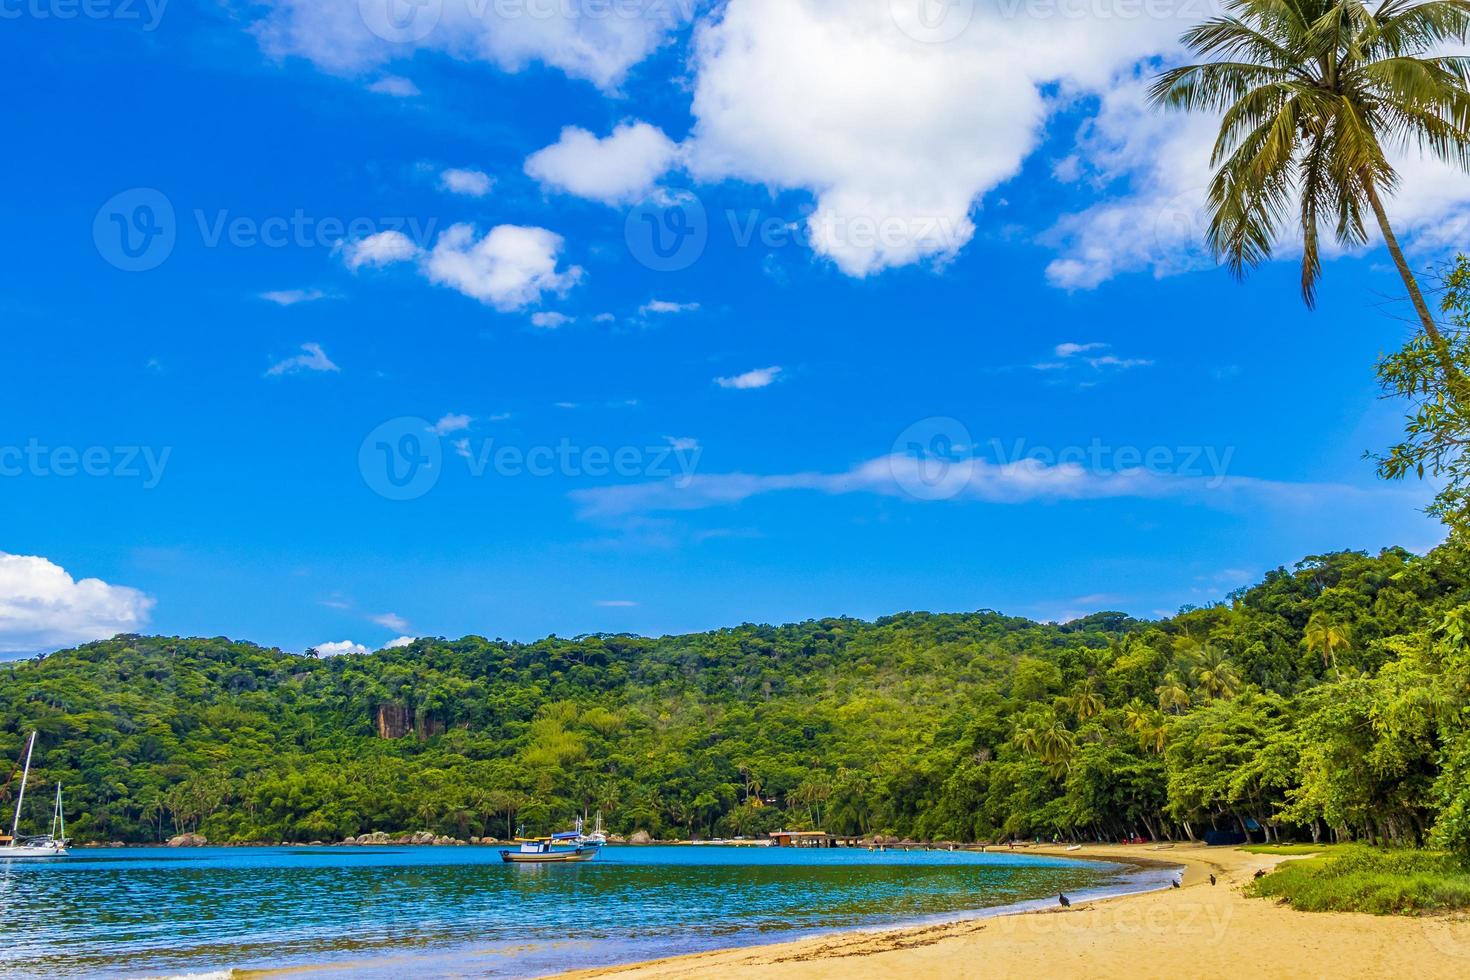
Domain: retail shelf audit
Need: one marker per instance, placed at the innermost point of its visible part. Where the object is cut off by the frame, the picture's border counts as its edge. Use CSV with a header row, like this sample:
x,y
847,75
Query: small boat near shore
x,y
13,847
556,849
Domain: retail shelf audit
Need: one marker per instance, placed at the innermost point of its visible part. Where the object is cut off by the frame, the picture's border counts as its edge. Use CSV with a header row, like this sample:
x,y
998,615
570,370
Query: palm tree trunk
x,y
1453,377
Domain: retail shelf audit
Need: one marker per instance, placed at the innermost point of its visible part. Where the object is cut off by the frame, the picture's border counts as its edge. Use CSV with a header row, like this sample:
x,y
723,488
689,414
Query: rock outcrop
x,y
188,840
640,837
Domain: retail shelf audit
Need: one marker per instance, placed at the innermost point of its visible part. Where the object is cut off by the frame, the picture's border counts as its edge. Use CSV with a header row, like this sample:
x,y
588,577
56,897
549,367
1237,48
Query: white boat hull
x,y
31,853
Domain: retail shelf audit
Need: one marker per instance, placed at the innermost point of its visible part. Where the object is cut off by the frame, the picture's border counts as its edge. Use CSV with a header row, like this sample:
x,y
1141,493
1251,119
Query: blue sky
x,y
970,356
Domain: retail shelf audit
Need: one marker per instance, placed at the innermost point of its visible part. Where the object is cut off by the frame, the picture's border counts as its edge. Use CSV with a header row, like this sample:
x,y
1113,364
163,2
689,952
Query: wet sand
x,y
1198,930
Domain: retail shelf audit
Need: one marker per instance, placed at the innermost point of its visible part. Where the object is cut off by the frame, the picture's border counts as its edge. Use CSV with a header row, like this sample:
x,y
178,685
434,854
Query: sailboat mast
x,y
58,822
15,826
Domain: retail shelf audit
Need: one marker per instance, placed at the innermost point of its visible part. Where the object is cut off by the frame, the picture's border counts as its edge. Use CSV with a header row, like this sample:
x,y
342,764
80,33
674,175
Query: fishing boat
x,y
14,847
556,849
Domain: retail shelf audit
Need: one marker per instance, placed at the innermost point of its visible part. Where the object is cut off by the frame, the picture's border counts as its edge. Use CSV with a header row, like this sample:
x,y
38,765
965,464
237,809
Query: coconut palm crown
x,y
1315,94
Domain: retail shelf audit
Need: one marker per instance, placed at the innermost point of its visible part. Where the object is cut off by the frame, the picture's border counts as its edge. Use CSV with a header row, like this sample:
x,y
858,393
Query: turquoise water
x,y
459,911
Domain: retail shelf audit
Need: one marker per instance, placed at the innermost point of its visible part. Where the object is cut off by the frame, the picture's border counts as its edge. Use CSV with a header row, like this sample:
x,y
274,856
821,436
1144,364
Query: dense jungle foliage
x,y
1328,701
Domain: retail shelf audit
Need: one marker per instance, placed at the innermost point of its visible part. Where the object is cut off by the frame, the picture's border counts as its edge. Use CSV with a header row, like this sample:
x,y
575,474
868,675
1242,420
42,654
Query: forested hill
x,y
1328,699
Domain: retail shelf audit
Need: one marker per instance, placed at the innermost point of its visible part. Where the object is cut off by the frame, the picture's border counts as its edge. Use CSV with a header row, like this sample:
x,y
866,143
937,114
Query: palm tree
x,y
1173,695
1325,638
1044,736
1215,674
1313,94
1085,702
1147,725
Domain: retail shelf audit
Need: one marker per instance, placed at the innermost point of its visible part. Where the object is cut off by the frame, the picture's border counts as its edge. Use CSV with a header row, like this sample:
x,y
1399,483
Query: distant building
x,y
802,838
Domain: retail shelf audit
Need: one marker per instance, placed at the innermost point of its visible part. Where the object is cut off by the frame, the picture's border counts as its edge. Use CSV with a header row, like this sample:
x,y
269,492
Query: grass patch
x,y
1290,848
1356,878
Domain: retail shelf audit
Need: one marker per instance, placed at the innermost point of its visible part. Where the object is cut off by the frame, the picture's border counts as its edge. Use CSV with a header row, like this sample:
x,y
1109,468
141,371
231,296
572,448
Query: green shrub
x,y
1364,879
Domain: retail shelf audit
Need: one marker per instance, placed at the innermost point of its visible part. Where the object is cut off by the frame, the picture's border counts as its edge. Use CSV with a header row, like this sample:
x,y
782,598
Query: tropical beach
x,y
1201,929
669,488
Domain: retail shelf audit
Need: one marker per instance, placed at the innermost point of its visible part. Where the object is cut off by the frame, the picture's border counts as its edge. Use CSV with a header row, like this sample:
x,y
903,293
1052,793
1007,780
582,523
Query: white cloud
x,y
375,251
313,358
451,422
400,643
340,648
968,478
550,320
509,269
1072,357
396,86
622,167
392,621
462,448
661,307
290,297
42,608
616,604
759,378
898,139
1121,363
682,444
471,183
353,36
604,318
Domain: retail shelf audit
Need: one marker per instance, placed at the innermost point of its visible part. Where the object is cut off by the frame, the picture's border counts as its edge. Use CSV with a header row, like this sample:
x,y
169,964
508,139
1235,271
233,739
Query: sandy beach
x,y
1199,930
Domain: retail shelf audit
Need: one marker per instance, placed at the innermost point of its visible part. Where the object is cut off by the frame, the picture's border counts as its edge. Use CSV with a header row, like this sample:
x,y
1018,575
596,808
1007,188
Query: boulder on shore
x,y
640,837
188,840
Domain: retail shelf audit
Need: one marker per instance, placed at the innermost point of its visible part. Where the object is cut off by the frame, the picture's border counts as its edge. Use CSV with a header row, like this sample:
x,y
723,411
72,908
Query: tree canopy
x,y
1330,699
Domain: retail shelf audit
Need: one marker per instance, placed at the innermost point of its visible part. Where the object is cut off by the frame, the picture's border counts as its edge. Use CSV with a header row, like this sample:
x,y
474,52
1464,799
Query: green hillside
x,y
1330,698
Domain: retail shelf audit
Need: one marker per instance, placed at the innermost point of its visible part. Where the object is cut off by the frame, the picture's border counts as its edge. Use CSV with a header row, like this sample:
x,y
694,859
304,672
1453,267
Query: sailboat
x,y
597,836
15,847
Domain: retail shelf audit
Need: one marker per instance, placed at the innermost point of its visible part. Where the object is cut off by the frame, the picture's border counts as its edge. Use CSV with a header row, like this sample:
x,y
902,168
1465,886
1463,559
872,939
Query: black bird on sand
x,y
1260,875
1177,883
1066,902
1212,880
